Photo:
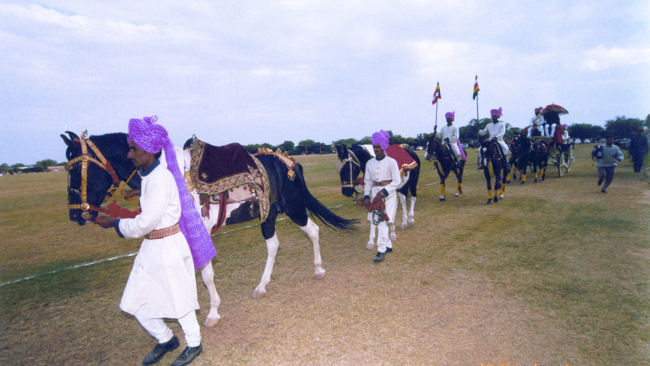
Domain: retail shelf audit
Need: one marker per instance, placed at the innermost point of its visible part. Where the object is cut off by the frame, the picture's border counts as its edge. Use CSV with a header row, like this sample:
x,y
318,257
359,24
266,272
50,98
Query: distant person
x,y
162,282
381,180
606,158
495,131
638,149
536,123
449,136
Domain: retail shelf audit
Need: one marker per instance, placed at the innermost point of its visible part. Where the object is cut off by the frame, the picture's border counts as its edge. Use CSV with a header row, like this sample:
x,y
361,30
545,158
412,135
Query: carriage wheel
x,y
562,168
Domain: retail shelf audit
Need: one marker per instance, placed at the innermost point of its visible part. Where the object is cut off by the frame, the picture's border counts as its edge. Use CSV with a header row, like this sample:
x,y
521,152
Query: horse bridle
x,y
84,159
353,160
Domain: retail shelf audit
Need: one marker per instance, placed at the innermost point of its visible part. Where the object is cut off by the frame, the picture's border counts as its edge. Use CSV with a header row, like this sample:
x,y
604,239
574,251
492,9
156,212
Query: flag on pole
x,y
436,94
476,89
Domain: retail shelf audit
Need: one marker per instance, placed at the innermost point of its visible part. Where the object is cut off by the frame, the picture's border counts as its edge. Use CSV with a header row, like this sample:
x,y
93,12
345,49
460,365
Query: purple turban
x,y
497,112
381,138
450,115
538,109
152,137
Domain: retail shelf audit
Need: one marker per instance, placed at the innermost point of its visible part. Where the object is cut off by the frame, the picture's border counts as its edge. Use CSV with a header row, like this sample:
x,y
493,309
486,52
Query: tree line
x,y
619,127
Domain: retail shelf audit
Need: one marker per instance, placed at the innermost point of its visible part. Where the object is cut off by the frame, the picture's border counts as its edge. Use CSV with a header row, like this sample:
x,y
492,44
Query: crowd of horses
x,y
99,164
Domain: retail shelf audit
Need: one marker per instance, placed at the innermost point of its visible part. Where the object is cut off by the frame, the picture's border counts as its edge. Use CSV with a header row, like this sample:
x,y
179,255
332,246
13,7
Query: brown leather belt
x,y
382,183
161,233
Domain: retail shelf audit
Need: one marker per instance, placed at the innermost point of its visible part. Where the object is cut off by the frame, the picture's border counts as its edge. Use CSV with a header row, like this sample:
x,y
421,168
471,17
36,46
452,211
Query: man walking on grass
x,y
162,283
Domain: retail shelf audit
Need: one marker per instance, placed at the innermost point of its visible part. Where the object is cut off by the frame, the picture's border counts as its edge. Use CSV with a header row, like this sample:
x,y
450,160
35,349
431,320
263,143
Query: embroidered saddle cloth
x,y
218,169
405,162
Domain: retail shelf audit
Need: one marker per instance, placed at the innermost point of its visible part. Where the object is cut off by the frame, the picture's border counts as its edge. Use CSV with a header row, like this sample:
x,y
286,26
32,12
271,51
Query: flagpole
x,y
435,128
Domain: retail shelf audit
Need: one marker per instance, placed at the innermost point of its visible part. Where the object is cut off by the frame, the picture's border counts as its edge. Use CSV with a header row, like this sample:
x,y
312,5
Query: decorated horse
x,y
519,155
538,159
352,165
260,186
445,163
495,167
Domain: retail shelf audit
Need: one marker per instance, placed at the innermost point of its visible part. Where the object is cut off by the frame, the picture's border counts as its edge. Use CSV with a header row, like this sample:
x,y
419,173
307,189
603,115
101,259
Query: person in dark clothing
x,y
638,149
606,158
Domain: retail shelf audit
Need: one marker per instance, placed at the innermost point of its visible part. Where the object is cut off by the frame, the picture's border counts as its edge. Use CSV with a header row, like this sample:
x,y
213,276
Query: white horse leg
x,y
371,238
411,219
402,201
272,245
311,230
391,227
207,274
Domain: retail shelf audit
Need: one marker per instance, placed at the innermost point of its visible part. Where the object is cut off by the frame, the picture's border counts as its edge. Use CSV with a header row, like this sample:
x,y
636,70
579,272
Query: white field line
x,y
81,265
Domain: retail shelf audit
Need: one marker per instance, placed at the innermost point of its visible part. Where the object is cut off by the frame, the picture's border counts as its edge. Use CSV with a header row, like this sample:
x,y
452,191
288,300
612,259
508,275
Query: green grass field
x,y
556,273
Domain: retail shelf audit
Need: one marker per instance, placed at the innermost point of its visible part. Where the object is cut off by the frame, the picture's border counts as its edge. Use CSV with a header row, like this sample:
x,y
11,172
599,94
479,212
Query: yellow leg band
x,y
442,189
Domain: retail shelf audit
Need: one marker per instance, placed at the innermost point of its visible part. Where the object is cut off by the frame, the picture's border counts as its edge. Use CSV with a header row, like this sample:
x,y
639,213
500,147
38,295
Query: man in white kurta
x,y
449,135
495,131
162,282
382,178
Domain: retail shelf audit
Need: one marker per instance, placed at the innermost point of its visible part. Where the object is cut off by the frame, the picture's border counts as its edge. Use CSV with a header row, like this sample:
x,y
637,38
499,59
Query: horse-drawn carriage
x,y
560,154
559,146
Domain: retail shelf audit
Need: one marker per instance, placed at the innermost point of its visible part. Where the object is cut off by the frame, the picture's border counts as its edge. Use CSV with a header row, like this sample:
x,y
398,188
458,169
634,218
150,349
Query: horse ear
x,y
65,139
72,135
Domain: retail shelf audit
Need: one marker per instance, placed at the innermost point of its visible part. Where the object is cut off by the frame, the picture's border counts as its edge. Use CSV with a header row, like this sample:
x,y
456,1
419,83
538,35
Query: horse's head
x,y
540,147
88,181
434,147
349,169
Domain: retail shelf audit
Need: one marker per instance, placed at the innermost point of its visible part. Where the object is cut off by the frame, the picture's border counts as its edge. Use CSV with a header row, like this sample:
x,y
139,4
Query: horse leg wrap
x,y
443,191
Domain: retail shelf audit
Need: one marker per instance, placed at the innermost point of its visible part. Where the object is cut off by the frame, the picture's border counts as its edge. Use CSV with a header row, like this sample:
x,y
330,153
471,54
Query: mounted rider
x,y
449,135
536,124
495,131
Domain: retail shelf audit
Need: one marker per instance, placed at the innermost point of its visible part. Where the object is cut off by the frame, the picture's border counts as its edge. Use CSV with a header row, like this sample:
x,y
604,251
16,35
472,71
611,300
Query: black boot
x,y
159,351
187,356
379,257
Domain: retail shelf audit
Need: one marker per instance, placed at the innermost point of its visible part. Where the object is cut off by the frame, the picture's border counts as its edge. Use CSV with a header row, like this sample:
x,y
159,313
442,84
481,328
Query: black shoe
x,y
187,356
603,190
389,250
379,257
159,351
600,181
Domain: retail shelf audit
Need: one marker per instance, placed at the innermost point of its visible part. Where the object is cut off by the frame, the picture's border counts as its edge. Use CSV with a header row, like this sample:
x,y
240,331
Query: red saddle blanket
x,y
405,162
218,169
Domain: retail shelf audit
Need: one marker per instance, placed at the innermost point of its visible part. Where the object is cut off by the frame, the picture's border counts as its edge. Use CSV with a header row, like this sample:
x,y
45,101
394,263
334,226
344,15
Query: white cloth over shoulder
x,y
162,279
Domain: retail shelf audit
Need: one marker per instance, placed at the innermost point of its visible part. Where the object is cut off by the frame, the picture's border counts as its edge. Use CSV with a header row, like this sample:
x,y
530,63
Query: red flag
x,y
436,94
476,89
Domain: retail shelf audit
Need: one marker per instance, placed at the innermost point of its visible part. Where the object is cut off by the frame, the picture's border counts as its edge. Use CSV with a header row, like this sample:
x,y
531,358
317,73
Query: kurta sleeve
x,y
483,131
368,179
154,200
501,130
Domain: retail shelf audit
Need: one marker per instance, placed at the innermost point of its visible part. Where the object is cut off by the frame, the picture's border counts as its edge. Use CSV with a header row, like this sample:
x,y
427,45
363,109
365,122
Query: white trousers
x,y
157,328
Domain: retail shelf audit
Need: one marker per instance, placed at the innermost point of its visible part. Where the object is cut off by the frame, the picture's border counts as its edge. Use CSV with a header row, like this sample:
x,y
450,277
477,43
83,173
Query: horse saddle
x,y
405,162
229,168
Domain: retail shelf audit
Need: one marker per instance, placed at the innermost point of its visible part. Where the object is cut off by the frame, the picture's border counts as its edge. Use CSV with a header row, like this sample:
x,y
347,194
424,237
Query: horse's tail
x,y
317,209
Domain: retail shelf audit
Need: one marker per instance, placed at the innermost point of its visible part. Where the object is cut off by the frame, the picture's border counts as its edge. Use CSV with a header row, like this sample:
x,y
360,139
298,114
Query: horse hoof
x,y
489,201
370,245
522,183
501,196
259,292
393,237
442,199
411,220
211,322
320,274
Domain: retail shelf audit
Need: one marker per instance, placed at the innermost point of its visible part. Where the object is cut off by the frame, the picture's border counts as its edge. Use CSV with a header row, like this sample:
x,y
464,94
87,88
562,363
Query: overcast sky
x,y
271,71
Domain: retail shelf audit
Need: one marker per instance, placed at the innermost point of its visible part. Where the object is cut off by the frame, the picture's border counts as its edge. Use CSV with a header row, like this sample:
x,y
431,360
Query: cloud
x,y
601,57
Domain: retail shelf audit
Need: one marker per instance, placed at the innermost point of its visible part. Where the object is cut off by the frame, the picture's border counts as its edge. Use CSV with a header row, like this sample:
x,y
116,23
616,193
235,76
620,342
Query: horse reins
x,y
84,159
353,160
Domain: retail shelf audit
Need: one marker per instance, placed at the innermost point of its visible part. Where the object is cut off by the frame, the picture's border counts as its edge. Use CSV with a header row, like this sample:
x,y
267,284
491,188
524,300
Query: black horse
x,y
92,176
352,163
497,166
519,155
445,163
538,159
